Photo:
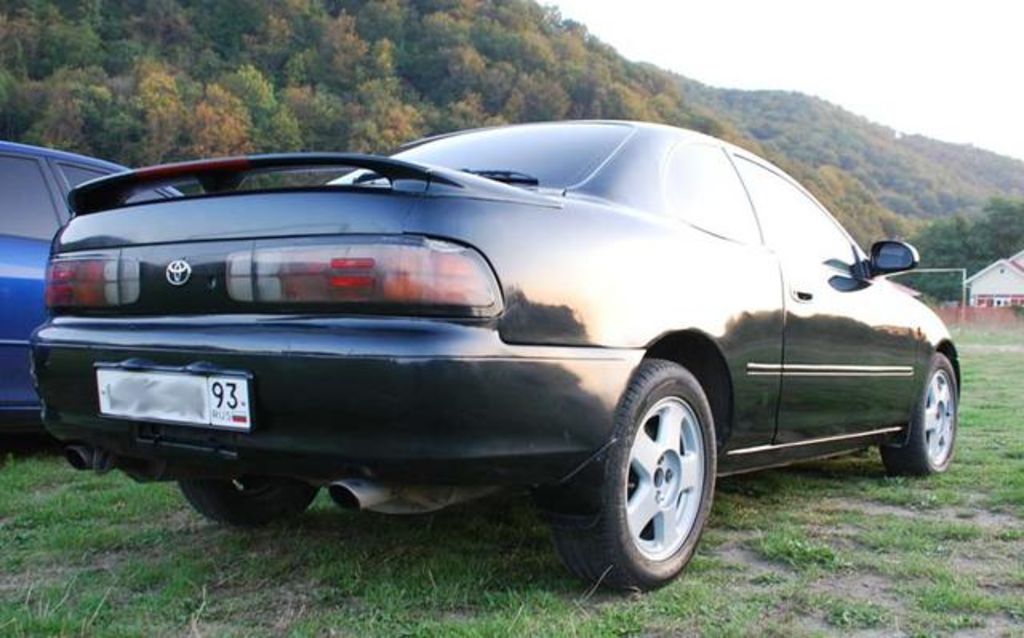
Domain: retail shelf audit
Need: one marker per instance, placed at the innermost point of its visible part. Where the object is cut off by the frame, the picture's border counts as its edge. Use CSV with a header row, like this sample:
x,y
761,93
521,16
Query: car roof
x,y
39,151
675,131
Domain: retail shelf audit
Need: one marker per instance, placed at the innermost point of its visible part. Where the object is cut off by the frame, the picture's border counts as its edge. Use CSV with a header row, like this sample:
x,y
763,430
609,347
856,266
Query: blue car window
x,y
26,209
75,175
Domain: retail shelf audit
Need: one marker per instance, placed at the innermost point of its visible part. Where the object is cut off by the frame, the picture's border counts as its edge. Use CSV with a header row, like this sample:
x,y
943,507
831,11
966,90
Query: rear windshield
x,y
559,156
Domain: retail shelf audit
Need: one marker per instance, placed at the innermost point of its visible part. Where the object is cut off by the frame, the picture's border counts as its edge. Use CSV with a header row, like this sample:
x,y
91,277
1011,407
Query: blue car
x,y
34,183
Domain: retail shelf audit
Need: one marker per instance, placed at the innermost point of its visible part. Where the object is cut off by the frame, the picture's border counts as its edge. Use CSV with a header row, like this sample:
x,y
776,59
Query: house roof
x,y
1014,266
1018,260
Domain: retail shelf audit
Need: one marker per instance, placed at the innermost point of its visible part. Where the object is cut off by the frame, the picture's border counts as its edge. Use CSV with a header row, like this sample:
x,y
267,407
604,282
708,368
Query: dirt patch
x,y
987,565
735,553
1000,626
21,584
854,585
859,586
988,520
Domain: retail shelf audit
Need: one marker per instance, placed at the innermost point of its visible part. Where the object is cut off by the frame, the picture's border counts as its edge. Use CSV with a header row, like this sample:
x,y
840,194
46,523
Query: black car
x,y
609,313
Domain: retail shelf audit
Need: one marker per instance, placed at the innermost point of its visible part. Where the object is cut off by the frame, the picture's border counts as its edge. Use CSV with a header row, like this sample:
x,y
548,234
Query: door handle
x,y
803,295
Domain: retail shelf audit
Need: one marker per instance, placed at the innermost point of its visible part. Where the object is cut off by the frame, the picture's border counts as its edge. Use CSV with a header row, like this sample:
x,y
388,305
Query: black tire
x,y
604,552
248,501
912,458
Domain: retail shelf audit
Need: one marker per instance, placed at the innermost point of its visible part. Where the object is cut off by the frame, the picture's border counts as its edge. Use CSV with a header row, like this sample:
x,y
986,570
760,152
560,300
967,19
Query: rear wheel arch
x,y
698,353
650,500
573,502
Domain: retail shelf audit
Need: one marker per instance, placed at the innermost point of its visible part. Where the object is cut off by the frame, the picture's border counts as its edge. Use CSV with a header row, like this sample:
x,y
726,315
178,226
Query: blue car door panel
x,y
22,266
28,220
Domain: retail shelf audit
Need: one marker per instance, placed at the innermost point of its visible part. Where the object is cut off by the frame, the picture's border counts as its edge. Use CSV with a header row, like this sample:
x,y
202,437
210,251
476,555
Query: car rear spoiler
x,y
226,174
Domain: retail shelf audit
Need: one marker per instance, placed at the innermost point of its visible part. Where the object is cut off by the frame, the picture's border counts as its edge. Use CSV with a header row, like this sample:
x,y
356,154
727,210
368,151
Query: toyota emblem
x,y
178,272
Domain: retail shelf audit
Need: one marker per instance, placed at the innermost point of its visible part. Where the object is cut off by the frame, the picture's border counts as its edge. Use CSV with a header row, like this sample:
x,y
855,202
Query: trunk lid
x,y
238,216
174,255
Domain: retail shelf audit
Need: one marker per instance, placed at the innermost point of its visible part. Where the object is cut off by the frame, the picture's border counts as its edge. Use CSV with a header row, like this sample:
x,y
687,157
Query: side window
x,y
793,224
75,175
702,188
26,209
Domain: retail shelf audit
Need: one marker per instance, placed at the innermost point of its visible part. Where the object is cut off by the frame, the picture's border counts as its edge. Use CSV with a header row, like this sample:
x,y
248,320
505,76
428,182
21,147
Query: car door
x,y
704,191
28,222
848,359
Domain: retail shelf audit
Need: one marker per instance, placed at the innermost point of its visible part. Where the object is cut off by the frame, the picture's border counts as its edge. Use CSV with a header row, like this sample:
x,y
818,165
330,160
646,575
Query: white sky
x,y
948,69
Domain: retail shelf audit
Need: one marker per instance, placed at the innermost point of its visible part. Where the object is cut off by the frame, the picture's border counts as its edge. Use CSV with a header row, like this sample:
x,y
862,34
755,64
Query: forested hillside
x,y
911,175
144,81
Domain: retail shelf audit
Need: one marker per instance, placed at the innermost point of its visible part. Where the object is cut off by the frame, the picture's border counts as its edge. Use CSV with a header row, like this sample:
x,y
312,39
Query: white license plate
x,y
220,401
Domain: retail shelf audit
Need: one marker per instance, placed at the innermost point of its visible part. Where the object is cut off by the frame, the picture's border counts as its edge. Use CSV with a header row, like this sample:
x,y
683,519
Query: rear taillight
x,y
88,282
418,274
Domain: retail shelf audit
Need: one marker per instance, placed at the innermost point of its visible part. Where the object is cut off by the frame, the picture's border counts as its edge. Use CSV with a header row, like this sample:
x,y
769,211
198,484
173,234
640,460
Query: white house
x,y
999,284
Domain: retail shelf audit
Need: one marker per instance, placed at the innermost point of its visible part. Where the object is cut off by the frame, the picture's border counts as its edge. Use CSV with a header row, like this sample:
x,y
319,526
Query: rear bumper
x,y
401,400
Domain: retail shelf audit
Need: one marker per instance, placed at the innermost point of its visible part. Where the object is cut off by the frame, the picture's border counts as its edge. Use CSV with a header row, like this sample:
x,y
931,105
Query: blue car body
x,y
34,183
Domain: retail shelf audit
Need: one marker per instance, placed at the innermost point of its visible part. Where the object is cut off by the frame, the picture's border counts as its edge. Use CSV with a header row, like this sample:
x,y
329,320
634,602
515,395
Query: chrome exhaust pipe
x,y
359,494
79,456
364,494
84,457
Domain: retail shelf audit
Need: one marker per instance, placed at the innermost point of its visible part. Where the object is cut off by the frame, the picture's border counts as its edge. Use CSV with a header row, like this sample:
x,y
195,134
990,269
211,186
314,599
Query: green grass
x,y
821,548
996,336
791,546
848,615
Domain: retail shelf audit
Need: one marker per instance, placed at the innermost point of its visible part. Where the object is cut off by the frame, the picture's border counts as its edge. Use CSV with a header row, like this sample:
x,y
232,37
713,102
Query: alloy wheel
x,y
939,418
666,474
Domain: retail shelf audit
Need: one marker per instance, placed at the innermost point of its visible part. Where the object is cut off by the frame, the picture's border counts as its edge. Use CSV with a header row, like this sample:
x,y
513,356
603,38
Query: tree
x,y
381,19
8,90
960,242
274,127
164,112
60,123
380,120
341,53
221,125
1001,230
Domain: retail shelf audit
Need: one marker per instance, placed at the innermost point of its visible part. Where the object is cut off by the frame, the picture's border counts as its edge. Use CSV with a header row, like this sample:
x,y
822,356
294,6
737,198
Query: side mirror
x,y
888,257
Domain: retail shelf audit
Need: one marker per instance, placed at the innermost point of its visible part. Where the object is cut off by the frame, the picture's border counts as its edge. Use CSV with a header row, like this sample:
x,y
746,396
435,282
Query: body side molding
x,y
820,370
824,439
